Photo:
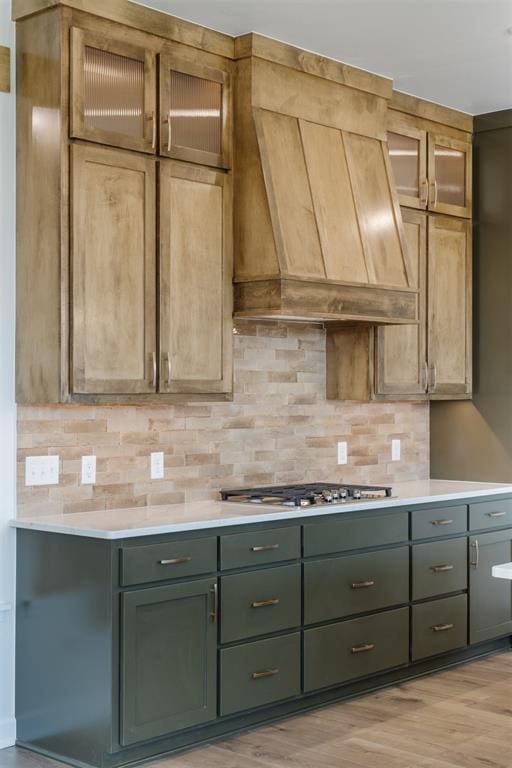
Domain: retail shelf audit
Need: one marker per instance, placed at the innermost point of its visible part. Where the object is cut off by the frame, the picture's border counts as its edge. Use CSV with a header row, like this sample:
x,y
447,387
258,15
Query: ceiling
x,y
454,52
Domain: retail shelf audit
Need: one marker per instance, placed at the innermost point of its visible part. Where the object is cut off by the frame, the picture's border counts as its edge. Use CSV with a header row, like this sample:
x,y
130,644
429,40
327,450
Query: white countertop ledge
x,y
503,571
204,515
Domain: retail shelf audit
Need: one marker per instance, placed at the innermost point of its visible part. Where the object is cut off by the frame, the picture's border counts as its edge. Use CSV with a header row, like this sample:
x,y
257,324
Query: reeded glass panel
x,y
113,93
404,153
450,175
196,113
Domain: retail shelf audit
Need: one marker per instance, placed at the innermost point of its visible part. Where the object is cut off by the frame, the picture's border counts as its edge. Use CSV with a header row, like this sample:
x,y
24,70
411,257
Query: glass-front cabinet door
x,y
407,149
194,112
449,170
113,92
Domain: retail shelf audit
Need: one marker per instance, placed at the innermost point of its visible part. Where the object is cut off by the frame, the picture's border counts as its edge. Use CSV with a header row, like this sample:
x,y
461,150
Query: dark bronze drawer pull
x,y
265,548
265,673
362,584
441,568
495,514
265,603
363,648
441,627
215,608
176,561
441,522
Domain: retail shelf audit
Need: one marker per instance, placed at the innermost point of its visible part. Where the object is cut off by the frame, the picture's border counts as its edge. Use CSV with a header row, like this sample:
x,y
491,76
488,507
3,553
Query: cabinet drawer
x,y
355,533
490,514
439,626
430,523
439,567
260,602
355,648
255,674
341,586
170,560
259,547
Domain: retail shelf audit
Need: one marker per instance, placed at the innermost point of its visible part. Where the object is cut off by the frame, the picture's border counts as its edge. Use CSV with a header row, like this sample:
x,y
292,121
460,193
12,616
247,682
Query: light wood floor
x,y
461,718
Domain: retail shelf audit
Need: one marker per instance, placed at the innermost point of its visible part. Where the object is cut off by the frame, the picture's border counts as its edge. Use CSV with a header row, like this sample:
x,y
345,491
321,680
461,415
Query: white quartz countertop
x,y
173,518
503,571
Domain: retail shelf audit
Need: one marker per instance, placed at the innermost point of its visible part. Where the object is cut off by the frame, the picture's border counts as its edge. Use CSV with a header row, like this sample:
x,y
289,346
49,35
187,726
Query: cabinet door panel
x,y
449,170
407,149
168,666
490,599
113,268
449,306
401,350
195,275
113,91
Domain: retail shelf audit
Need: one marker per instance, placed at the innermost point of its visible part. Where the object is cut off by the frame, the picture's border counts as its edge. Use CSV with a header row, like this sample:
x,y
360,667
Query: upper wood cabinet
x,y
194,112
431,169
195,279
113,293
113,91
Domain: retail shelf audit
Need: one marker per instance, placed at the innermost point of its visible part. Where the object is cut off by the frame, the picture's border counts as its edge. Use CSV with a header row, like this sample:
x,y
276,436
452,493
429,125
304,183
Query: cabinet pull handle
x,y
424,382
215,609
441,522
441,627
362,584
495,514
433,185
433,378
169,131
152,362
265,673
168,370
153,136
474,545
441,568
363,648
265,603
176,561
265,548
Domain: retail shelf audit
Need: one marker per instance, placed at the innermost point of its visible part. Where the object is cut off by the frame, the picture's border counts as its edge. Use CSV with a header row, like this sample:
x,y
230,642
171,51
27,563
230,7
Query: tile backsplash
x,y
278,429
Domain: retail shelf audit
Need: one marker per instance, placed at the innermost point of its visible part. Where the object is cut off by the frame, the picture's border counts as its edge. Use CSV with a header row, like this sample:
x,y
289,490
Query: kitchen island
x,y
145,631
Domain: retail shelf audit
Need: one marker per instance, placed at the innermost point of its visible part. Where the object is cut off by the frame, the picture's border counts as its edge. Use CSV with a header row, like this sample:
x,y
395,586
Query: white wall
x,y
7,407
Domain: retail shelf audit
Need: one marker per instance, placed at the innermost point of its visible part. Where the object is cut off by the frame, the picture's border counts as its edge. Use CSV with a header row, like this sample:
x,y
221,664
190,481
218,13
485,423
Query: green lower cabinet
x,y
255,674
490,603
168,659
439,626
347,650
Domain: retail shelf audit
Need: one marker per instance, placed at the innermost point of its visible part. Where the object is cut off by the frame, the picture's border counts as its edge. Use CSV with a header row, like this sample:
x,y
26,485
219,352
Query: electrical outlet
x,y
88,470
157,465
342,453
42,470
395,450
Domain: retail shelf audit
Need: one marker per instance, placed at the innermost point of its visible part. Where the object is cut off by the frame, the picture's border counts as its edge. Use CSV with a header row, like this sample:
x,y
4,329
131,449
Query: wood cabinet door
x,y
449,306
449,174
195,279
401,350
168,659
113,91
195,111
407,148
113,315
490,599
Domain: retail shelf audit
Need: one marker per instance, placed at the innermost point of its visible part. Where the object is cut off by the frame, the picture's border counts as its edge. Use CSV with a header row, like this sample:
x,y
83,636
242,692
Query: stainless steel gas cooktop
x,y
307,495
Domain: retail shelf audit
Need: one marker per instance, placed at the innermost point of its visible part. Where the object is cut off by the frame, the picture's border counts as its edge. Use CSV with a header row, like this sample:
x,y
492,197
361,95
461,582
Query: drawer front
x,y
341,586
355,533
490,514
172,560
439,626
260,602
430,523
356,648
259,547
255,674
439,567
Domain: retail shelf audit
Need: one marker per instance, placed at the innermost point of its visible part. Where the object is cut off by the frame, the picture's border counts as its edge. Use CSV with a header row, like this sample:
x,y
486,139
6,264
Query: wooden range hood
x,y
318,231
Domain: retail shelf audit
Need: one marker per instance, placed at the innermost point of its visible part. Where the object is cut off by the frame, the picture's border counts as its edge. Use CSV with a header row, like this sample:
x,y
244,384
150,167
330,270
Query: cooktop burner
x,y
306,495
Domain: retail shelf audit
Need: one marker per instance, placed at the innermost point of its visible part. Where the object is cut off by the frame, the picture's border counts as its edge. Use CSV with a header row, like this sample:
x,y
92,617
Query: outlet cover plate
x,y
342,453
157,465
395,450
42,470
88,470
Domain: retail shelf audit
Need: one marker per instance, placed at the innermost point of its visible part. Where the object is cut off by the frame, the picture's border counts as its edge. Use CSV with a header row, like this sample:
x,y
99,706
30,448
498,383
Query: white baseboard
x,y
7,732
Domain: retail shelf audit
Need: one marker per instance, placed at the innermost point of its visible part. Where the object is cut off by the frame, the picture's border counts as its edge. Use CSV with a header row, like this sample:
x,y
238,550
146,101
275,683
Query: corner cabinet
x,y
124,277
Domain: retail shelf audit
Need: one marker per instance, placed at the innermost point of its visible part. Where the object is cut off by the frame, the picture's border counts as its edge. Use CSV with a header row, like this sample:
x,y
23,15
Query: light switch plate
x,y
88,470
42,470
395,450
342,453
157,465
